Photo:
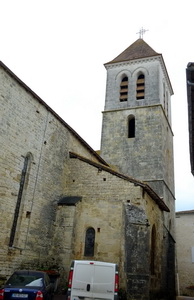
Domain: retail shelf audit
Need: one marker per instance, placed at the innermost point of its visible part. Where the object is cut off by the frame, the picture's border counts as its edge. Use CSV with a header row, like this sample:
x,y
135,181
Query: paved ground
x,y
184,298
63,297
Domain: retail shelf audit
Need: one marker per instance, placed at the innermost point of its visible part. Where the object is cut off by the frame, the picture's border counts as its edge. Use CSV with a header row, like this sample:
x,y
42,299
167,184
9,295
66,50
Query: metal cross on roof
x,y
142,32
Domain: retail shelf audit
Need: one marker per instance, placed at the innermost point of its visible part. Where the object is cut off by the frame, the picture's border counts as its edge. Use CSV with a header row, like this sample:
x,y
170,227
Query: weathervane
x,y
142,32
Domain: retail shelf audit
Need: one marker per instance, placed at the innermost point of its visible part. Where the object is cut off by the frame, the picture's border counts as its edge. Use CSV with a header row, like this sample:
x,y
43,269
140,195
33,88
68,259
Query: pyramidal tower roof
x,y
139,49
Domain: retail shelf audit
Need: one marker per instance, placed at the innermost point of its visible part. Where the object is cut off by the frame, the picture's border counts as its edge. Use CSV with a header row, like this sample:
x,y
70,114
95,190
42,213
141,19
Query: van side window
x,y
89,242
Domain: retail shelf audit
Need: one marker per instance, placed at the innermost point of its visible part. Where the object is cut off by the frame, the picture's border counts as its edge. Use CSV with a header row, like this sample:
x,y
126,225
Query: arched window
x,y
153,250
131,126
124,89
89,242
140,88
23,180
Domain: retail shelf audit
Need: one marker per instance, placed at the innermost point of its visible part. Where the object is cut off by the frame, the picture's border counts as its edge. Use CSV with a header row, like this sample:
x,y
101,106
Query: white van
x,y
93,280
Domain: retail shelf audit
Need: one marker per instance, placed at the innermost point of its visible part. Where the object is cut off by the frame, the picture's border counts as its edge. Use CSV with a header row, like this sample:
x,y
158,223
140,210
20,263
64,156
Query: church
x,y
61,200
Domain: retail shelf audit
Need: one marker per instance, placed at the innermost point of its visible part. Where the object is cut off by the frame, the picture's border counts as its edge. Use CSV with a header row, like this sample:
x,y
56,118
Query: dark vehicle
x,y
27,285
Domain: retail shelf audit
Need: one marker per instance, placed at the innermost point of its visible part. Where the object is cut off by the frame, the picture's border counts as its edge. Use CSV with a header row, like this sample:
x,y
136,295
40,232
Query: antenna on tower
x,y
142,32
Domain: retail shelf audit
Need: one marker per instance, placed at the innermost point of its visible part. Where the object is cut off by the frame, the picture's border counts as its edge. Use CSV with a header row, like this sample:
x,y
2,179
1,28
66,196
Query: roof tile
x,y
139,49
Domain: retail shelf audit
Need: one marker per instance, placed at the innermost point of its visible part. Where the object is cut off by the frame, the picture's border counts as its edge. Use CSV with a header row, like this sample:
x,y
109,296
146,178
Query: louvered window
x,y
124,89
140,89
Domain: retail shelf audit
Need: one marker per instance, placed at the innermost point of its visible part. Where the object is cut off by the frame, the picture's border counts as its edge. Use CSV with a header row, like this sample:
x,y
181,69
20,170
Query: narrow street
x,y
184,298
63,297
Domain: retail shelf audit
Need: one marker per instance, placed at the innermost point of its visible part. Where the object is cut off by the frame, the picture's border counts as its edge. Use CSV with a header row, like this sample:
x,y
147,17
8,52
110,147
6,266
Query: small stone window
x,y
124,89
131,126
89,242
140,88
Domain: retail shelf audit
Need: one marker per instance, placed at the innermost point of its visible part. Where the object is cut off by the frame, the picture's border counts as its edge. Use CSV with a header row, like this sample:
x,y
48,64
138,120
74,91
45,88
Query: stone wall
x,y
149,155
123,217
37,171
29,128
185,251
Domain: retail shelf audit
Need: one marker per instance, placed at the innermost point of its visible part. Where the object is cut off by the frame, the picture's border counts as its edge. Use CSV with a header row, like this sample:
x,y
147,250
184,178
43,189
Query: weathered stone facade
x,y
185,251
138,89
54,187
30,128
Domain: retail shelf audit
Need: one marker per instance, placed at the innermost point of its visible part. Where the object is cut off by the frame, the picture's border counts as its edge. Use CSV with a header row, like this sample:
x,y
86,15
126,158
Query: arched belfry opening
x,y
124,89
140,87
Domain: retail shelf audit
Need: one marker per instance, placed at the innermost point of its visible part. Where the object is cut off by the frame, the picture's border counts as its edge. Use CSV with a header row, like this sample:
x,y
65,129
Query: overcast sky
x,y
58,48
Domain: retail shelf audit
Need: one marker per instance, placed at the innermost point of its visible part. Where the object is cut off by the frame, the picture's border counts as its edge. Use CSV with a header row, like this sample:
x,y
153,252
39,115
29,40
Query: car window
x,y
25,280
36,282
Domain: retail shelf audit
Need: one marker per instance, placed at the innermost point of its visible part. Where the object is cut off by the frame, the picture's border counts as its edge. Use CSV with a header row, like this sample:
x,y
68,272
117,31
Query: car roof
x,y
29,272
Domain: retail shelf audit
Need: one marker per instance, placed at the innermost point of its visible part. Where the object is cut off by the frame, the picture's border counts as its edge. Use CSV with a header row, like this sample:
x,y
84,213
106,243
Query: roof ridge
x,y
139,49
29,90
185,211
109,169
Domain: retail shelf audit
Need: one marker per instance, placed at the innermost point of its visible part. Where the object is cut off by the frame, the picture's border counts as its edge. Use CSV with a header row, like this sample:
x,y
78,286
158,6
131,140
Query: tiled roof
x,y
139,49
144,185
185,212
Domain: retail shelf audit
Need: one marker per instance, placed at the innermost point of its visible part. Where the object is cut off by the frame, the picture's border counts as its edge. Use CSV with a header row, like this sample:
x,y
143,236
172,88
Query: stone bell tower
x,y
137,137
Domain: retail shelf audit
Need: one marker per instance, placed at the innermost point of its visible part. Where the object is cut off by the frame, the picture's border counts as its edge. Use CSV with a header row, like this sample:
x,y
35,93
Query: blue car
x,y
27,285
